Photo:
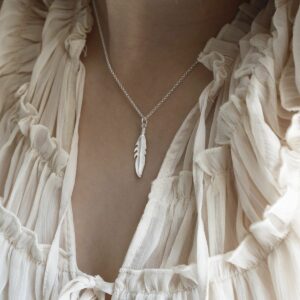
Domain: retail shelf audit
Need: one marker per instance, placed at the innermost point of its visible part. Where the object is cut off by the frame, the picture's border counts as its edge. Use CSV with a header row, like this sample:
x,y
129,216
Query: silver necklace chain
x,y
140,146
121,86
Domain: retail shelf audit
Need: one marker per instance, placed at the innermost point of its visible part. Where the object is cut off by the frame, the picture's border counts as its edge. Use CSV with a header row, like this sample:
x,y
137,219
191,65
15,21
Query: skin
x,y
150,44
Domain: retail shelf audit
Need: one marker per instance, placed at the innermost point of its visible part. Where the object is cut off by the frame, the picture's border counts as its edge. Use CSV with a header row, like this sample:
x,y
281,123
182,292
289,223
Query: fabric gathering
x,y
222,217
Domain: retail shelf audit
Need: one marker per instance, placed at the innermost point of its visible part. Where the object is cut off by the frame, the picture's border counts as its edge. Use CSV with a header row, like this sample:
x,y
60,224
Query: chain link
x,y
119,83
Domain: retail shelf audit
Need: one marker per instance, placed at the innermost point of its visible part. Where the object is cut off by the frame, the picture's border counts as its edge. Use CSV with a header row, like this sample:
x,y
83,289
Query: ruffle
x,y
21,273
22,119
76,40
219,62
18,235
25,240
164,282
268,234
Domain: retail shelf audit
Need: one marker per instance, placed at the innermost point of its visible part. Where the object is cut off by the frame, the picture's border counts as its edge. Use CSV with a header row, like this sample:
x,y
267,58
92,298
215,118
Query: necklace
x,y
141,144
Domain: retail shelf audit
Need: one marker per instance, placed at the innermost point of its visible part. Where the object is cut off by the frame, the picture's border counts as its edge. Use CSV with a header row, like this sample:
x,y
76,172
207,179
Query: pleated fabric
x,y
221,221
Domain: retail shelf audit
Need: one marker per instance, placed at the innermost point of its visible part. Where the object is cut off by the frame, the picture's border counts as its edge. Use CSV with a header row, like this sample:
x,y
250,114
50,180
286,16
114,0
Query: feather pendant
x,y
140,153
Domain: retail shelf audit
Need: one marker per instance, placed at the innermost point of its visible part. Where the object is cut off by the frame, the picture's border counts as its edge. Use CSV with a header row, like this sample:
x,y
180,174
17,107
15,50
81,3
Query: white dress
x,y
222,219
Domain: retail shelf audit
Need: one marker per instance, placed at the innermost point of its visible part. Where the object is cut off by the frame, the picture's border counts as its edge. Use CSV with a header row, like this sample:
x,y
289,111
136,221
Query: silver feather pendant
x,y
140,151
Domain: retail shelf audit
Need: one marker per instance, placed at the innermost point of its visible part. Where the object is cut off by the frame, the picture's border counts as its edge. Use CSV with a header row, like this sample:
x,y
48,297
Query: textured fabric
x,y
221,221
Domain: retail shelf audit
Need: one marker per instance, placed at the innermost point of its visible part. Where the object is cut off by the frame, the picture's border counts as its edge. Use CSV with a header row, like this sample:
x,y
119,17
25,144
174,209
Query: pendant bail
x,y
144,122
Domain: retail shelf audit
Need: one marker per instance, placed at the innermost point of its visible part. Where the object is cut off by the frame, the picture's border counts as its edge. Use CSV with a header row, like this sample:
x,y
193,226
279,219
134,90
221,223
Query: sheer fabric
x,y
221,221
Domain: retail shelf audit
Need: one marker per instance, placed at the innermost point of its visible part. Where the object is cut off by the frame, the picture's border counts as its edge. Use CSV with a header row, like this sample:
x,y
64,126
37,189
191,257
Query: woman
x,y
208,214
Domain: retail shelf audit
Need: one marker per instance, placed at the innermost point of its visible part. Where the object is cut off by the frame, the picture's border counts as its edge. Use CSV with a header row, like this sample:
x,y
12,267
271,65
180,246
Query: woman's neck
x,y
161,30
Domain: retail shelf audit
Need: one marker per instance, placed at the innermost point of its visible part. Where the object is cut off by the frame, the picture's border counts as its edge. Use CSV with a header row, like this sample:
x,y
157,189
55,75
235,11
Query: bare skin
x,y
150,44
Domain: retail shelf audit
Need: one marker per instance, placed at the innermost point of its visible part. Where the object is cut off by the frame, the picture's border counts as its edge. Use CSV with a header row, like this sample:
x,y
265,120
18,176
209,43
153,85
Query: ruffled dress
x,y
222,219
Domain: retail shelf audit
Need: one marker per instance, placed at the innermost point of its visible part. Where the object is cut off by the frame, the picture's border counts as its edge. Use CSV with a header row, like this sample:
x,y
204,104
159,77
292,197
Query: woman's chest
x,y
108,198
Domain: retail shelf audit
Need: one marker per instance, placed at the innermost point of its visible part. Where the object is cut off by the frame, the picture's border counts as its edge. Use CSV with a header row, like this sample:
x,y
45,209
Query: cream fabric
x,y
222,218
